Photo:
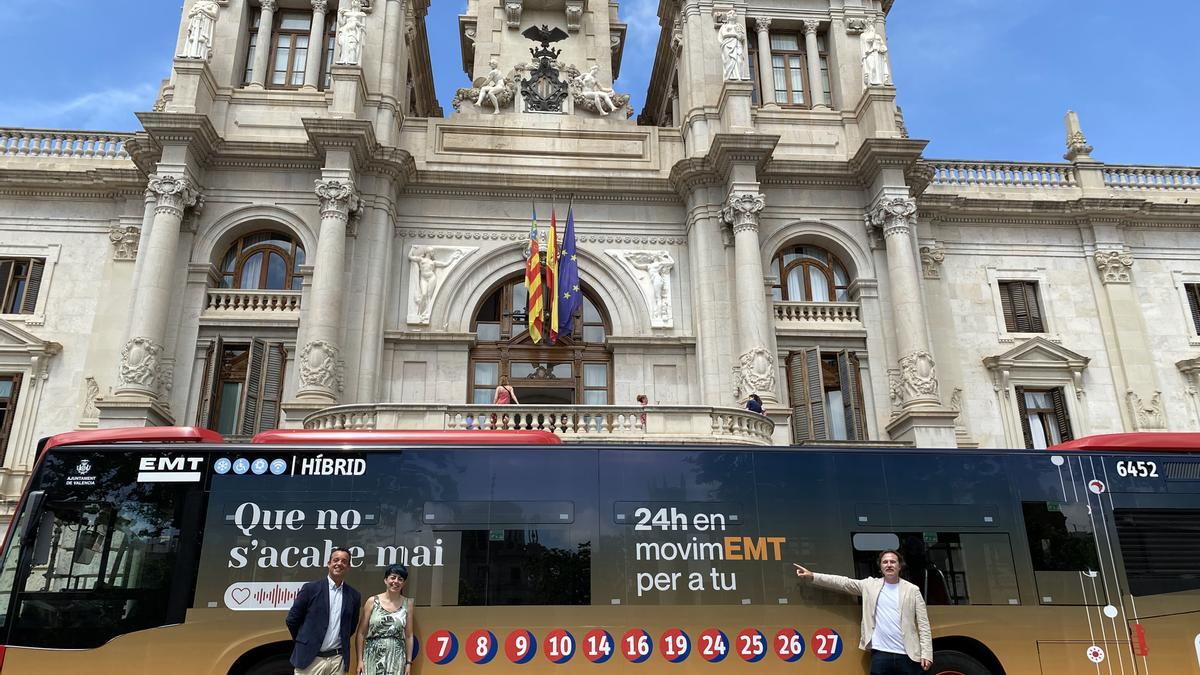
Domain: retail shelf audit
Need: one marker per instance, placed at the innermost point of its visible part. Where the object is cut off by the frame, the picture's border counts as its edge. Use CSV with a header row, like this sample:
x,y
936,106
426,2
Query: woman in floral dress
x,y
385,628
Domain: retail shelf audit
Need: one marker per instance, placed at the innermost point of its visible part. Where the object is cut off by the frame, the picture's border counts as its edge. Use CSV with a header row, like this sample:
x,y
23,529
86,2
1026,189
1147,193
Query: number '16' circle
x,y
675,645
481,646
751,645
441,647
636,645
559,646
789,645
598,645
714,646
827,644
520,646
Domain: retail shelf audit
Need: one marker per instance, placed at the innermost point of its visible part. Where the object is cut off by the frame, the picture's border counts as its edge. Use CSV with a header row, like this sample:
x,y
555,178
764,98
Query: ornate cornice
x,y
354,135
878,154
190,129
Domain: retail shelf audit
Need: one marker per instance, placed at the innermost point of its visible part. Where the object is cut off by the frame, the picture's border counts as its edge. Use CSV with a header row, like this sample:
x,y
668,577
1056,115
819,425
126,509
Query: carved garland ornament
x,y
140,363
741,211
318,365
1114,266
894,216
918,376
756,372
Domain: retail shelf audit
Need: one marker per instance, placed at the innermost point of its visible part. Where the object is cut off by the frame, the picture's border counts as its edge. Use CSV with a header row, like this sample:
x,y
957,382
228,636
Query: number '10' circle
x,y
598,645
789,645
520,646
675,645
636,645
751,645
441,647
714,646
481,646
559,646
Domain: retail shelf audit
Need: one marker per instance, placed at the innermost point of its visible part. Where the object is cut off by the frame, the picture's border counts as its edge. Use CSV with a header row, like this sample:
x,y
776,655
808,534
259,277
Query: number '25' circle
x,y
751,645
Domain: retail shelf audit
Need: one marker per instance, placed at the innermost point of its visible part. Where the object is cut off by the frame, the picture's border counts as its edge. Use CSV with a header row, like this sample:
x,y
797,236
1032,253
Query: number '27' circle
x,y
827,644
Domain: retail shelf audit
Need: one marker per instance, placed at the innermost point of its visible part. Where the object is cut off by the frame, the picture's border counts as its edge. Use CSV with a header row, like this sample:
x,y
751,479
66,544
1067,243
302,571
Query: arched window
x,y
809,274
576,370
267,261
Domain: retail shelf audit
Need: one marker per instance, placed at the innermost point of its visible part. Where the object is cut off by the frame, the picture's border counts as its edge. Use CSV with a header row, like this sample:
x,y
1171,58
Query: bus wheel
x,y
272,665
956,663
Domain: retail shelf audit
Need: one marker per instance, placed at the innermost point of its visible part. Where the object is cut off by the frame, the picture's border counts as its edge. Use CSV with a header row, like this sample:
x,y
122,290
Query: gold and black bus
x,y
167,550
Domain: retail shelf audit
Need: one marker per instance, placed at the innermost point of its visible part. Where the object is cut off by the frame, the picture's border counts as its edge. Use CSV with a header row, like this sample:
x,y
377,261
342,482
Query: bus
x,y
168,550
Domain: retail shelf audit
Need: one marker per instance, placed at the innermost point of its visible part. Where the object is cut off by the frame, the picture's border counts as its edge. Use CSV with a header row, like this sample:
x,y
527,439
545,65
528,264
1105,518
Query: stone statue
x,y
352,23
874,58
201,21
732,35
658,266
591,90
492,86
427,279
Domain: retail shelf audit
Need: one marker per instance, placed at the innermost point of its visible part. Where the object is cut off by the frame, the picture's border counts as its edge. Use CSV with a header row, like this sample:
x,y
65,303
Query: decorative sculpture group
x,y
352,22
732,35
874,57
202,19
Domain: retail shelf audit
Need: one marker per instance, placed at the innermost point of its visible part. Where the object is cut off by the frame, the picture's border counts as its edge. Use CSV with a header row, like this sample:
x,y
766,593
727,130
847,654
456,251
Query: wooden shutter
x,y
808,395
1060,414
8,410
1024,414
210,385
851,385
1006,305
1019,302
6,268
1033,307
29,303
1193,296
252,393
272,388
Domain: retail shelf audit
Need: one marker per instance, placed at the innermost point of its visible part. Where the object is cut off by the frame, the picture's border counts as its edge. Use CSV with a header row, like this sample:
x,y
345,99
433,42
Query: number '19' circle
x,y
675,645
789,645
598,645
559,646
520,646
481,646
751,645
827,644
636,645
441,647
714,646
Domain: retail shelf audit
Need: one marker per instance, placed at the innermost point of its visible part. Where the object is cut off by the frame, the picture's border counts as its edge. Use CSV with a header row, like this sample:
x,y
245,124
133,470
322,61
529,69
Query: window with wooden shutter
x,y
20,281
10,386
807,394
1044,417
242,387
1021,307
850,383
1193,297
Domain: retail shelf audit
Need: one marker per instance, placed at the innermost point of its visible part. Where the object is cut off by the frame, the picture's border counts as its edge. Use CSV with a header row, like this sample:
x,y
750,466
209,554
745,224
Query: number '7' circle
x,y
441,647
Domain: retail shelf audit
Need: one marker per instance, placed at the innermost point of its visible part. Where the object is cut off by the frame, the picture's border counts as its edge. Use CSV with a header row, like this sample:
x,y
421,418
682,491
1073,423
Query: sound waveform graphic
x,y
261,595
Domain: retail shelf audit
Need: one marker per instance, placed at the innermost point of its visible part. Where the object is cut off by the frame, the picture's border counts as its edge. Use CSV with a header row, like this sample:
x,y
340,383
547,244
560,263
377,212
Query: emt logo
x,y
169,469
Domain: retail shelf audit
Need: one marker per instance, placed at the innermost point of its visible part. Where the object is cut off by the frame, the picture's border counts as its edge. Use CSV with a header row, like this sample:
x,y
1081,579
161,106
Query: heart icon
x,y
240,595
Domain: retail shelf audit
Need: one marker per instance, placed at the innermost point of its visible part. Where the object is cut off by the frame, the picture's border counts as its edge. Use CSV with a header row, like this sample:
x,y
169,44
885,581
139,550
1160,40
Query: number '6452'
x,y
1137,469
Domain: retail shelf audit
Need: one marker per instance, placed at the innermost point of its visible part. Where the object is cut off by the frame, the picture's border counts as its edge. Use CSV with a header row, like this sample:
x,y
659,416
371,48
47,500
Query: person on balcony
x,y
504,393
754,404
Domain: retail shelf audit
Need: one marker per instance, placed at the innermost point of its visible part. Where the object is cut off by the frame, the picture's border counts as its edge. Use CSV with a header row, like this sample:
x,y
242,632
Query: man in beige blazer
x,y
895,625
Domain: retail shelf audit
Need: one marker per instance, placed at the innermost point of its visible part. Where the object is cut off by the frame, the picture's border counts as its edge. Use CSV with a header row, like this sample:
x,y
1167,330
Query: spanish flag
x,y
533,283
552,275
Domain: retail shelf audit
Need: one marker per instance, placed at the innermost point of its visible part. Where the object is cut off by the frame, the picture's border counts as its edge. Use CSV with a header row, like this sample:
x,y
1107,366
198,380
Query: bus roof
x,y
407,437
1160,441
133,435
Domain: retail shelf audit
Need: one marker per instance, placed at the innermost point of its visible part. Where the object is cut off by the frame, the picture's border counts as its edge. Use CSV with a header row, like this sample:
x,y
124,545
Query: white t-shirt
x,y
888,636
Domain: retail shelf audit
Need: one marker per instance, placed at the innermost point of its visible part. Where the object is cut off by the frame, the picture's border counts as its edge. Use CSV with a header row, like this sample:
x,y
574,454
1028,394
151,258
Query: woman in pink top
x,y
504,393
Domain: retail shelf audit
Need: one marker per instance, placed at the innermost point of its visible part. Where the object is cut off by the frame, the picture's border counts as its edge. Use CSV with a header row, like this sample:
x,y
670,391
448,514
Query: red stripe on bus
x,y
410,437
1151,441
134,435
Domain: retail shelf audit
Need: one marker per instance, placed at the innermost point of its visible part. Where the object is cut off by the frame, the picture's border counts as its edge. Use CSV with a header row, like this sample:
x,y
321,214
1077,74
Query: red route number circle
x,y
636,645
441,647
789,645
598,645
713,645
520,646
675,645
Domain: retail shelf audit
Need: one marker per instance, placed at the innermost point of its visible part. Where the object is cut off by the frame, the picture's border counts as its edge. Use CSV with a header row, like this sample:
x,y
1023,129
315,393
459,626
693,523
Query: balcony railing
x,y
1152,177
581,424
232,301
800,315
62,144
1002,174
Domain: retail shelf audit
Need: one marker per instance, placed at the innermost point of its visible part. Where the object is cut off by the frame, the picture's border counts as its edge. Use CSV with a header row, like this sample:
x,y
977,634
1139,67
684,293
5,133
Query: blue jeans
x,y
887,663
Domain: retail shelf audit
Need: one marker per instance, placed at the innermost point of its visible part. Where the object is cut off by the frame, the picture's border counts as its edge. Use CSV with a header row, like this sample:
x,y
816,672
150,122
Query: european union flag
x,y
570,299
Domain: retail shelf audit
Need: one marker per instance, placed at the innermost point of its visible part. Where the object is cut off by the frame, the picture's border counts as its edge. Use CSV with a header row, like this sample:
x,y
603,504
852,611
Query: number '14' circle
x,y
598,645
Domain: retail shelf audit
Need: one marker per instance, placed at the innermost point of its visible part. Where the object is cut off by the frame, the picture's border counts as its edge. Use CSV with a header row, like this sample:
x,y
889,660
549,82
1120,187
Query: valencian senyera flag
x,y
533,282
570,298
552,276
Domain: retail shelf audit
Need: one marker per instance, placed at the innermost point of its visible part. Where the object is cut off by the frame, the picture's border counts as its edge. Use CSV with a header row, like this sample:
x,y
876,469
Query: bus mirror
x,y
45,536
33,508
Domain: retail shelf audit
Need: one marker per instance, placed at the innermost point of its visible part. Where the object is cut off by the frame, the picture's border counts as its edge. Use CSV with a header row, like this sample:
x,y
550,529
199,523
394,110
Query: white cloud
x,y
106,109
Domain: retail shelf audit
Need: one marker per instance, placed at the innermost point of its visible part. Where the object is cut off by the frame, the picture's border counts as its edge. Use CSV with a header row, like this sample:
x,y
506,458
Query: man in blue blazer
x,y
322,619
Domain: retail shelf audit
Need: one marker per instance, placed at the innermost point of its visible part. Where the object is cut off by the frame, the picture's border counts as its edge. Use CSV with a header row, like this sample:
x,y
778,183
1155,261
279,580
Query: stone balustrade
x,y
228,300
62,144
574,424
1152,177
804,314
1002,174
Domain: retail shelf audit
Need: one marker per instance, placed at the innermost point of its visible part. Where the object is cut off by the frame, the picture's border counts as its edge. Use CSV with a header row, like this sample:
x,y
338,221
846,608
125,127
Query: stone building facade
x,y
298,237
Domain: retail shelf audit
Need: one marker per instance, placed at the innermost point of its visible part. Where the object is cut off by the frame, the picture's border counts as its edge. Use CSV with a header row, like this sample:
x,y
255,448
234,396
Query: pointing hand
x,y
803,573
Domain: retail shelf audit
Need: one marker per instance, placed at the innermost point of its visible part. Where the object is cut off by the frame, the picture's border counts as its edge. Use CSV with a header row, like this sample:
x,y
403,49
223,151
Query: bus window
x,y
1158,547
1062,547
950,568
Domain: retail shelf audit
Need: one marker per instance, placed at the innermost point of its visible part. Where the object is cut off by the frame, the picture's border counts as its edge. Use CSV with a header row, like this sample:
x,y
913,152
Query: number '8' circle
x,y
827,644
559,646
714,646
481,646
789,645
442,647
520,646
636,645
675,645
598,645
751,645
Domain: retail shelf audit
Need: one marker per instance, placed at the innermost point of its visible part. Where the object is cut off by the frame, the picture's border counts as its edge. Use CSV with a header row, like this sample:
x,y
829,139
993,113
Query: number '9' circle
x,y
751,645
598,645
827,644
714,646
636,645
441,647
789,645
559,646
481,646
675,645
520,646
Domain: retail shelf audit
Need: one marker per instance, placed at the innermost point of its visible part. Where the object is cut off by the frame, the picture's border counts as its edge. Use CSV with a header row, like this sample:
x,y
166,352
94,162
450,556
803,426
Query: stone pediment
x,y
15,338
1037,353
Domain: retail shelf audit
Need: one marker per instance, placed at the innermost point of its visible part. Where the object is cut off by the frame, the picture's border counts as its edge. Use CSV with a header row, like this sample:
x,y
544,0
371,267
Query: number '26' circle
x,y
789,645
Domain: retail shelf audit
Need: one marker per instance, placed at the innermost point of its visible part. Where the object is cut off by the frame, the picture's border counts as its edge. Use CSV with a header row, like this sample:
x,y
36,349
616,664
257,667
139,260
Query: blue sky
x,y
981,79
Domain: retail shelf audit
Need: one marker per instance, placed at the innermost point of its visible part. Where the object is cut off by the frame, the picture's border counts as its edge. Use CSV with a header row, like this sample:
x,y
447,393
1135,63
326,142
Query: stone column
x,y
140,372
766,71
812,51
896,216
1135,359
394,67
262,45
756,363
318,360
316,47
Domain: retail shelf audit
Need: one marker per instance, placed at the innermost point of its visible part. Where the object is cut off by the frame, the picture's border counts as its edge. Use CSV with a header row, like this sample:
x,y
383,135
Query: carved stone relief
x,y
574,15
932,256
1114,266
512,13
741,211
141,364
338,198
875,67
918,376
351,31
756,373
125,242
91,393
732,36
430,267
588,94
856,25
652,272
1146,415
894,216
318,365
201,20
